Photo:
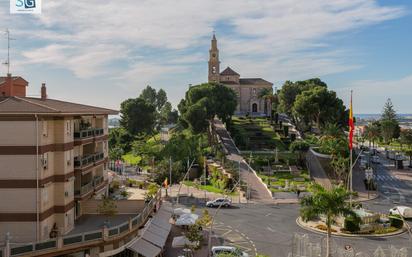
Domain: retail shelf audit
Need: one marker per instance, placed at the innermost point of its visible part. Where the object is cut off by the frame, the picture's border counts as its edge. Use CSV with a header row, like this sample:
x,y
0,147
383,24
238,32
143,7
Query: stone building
x,y
247,89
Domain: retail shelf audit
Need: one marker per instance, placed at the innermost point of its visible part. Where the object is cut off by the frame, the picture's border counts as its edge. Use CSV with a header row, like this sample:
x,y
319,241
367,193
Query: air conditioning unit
x,y
44,163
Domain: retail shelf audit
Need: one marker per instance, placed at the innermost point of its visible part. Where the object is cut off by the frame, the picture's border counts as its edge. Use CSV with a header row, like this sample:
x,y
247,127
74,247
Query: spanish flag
x,y
165,184
351,123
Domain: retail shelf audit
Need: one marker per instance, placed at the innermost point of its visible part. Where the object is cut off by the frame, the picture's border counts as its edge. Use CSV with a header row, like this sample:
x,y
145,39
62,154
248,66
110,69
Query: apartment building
x,y
53,157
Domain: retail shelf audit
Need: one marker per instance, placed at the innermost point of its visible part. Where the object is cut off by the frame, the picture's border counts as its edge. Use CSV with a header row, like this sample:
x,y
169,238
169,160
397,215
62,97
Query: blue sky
x,y
102,52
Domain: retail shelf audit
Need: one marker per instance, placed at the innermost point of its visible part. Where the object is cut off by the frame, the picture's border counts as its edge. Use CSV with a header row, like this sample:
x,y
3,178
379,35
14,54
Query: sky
x,y
103,52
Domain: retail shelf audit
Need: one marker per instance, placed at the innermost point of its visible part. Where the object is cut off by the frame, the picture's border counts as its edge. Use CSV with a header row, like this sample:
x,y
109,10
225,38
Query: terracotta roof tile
x,y
228,72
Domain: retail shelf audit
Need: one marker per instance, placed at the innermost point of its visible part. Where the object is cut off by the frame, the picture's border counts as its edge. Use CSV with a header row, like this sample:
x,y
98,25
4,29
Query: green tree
x,y
319,105
300,147
108,208
389,123
340,166
333,130
194,234
120,138
149,94
330,203
372,133
137,116
203,102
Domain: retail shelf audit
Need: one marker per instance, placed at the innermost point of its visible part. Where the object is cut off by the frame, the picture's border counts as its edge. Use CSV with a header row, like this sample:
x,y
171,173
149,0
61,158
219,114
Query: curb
x,y
370,199
321,232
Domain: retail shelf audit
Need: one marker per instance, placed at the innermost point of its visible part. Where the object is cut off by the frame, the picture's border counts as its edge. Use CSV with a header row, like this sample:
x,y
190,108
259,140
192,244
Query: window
x,y
254,91
68,127
45,128
214,70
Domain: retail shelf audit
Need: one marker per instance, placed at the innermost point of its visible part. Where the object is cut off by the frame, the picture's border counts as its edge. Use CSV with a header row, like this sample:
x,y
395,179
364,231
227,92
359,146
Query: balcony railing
x,y
97,180
83,161
90,132
98,156
59,245
84,189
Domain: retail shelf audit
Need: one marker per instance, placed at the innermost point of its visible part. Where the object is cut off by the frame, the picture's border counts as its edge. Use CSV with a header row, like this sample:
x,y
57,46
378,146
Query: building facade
x,y
53,157
247,89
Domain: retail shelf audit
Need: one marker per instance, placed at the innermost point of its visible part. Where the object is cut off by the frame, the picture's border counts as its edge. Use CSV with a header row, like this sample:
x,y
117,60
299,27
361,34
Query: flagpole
x,y
351,125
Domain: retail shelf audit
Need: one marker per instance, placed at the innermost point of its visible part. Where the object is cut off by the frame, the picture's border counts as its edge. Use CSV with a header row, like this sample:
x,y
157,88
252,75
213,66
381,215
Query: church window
x,y
254,91
213,69
228,78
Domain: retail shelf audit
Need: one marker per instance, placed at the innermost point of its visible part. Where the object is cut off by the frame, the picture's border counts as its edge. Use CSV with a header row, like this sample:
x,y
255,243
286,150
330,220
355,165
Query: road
x,y
269,228
390,187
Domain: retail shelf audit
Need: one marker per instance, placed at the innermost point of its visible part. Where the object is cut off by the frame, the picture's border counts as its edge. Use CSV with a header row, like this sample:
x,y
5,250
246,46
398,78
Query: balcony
x,y
97,180
84,189
84,161
88,133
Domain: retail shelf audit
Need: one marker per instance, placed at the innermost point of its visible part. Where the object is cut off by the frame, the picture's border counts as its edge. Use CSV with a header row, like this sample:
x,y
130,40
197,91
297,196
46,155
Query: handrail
x,y
85,237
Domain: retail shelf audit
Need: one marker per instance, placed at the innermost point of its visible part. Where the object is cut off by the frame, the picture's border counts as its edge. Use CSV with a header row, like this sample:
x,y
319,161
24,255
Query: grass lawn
x,y
257,133
279,180
208,188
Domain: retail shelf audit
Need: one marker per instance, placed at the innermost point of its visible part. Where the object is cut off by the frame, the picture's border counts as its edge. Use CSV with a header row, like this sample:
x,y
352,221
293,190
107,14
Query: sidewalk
x,y
201,194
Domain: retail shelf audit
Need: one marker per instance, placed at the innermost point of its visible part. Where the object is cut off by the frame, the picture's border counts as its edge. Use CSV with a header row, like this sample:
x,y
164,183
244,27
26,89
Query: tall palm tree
x,y
330,203
267,95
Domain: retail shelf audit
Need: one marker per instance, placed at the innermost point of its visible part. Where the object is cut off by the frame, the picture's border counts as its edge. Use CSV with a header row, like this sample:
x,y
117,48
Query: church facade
x,y
247,89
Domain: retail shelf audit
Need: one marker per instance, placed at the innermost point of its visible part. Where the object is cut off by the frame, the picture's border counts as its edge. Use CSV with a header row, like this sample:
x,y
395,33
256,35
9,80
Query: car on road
x,y
404,211
224,202
376,159
216,250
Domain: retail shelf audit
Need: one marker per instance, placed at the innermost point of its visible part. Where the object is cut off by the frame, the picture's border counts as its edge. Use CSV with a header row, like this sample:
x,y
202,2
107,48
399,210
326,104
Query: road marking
x,y
267,215
270,229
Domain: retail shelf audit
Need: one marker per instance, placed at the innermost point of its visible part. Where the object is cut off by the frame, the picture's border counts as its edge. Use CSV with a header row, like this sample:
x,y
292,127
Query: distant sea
x,y
376,116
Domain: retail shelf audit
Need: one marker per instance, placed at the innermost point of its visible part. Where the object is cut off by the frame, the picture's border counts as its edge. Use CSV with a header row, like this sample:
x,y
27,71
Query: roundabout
x,y
312,227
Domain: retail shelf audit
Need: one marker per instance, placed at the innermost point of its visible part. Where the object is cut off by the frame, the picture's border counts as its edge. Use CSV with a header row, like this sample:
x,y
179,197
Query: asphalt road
x,y
269,228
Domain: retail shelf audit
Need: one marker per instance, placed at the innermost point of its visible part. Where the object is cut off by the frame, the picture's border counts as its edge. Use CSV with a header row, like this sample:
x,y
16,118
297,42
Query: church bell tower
x,y
214,62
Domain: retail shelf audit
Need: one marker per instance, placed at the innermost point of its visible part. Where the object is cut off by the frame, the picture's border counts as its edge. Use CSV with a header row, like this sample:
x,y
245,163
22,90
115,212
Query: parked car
x,y
376,159
216,250
219,201
404,211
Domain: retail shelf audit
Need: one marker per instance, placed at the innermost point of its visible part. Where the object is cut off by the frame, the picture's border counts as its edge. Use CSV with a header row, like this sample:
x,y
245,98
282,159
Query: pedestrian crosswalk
x,y
385,178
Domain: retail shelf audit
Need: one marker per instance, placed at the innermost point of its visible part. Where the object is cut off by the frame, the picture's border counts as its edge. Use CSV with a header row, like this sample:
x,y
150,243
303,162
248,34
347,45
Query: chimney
x,y
13,86
43,91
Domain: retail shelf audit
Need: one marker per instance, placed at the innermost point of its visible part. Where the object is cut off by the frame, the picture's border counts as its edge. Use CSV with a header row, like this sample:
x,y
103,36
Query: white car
x,y
404,211
216,250
224,202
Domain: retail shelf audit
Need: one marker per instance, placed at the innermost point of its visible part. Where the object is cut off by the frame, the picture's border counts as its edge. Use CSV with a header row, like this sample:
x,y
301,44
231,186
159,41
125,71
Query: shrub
x,y
324,228
351,224
396,221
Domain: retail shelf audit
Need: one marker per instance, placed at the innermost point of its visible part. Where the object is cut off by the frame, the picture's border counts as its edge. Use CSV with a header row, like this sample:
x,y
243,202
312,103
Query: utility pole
x,y
170,174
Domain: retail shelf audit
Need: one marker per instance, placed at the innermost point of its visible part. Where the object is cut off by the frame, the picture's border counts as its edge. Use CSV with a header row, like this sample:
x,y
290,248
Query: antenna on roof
x,y
7,62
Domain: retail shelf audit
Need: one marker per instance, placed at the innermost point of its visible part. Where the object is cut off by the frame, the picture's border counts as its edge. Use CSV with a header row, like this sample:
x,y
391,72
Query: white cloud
x,y
142,41
370,95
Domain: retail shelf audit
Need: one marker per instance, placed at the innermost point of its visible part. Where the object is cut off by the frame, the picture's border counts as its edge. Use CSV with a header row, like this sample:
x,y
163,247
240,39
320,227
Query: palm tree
x,y
330,203
372,133
267,95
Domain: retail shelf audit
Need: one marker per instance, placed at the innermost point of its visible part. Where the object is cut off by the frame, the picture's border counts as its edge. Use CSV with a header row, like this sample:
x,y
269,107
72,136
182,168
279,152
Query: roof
x,y
254,81
3,79
31,105
228,72
144,248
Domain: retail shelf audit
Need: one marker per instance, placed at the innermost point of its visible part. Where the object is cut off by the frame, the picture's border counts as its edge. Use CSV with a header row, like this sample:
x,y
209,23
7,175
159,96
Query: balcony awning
x,y
155,239
145,248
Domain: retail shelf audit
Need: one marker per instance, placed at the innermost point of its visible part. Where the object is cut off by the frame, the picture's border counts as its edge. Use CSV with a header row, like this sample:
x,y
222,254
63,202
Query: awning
x,y
144,248
155,239
187,219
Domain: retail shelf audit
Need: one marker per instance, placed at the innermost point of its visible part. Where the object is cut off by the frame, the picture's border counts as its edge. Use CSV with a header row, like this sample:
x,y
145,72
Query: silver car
x,y
216,250
224,202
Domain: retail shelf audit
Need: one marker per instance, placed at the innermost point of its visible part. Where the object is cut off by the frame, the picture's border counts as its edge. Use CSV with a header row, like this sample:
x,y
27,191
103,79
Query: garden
x,y
258,133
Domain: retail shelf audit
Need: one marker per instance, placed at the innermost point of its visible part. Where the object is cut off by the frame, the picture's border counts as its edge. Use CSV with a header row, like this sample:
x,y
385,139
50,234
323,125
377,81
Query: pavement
x,y
258,191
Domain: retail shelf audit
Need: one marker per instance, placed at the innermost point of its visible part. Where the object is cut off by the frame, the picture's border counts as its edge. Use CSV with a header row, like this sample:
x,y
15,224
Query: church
x,y
246,89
